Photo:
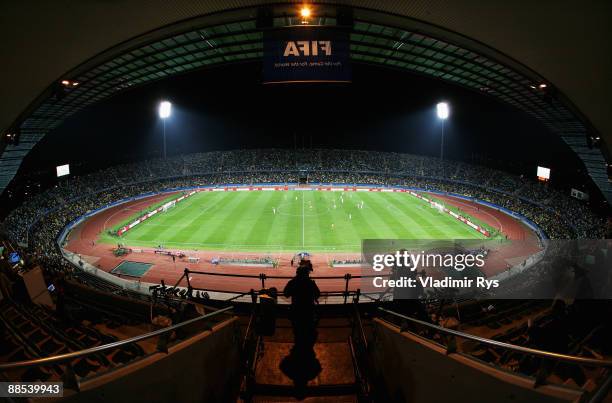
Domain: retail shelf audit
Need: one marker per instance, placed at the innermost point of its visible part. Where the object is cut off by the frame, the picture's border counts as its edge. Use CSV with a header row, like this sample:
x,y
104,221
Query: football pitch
x,y
290,221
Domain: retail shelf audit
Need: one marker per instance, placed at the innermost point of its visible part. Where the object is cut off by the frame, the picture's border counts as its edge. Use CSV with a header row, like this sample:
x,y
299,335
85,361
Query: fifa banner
x,y
400,269
306,54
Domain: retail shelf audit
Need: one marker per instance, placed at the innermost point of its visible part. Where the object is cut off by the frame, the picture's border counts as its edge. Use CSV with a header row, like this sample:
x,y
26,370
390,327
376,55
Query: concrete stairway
x,y
329,371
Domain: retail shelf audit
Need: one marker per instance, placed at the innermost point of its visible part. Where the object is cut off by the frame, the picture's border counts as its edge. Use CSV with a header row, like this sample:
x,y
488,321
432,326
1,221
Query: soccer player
x,y
333,226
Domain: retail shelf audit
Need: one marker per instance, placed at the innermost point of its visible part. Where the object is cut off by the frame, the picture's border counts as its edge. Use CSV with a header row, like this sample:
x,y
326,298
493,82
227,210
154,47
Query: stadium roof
x,y
501,49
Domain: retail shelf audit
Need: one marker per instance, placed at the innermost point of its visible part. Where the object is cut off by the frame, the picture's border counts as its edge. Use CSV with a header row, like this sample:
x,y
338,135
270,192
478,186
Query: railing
x,y
594,362
358,345
262,277
251,346
602,391
105,347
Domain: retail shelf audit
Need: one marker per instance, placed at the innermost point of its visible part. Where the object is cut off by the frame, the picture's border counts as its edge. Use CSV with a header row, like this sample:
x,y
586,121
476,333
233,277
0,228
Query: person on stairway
x,y
301,365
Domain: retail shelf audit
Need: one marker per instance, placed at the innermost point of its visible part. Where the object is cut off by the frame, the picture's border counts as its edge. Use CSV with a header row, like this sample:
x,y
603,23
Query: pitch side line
x,y
321,247
180,227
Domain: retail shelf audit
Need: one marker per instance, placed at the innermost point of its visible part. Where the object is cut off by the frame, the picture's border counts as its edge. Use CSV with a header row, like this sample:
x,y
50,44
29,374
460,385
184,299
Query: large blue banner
x,y
306,54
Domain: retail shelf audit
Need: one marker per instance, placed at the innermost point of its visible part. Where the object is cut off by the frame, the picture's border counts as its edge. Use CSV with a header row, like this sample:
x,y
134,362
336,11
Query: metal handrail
x,y
364,339
105,347
526,350
288,277
278,293
602,391
262,277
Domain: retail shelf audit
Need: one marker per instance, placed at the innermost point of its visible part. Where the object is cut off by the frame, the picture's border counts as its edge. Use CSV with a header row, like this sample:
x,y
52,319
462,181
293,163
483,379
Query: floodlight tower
x,y
165,110
443,112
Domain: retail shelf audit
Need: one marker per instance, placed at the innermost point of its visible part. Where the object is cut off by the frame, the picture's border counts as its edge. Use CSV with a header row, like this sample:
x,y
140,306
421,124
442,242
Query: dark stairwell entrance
x,y
278,371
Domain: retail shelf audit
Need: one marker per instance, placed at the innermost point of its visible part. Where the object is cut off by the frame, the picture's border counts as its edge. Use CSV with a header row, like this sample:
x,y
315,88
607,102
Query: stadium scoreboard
x,y
62,170
543,174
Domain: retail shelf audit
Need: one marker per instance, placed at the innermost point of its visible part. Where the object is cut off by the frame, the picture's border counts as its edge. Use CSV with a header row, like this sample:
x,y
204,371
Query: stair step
x,y
328,330
318,390
309,399
330,393
334,359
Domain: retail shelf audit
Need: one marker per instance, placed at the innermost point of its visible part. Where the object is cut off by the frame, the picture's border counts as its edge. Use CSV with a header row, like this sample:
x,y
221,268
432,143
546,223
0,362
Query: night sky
x,y
228,108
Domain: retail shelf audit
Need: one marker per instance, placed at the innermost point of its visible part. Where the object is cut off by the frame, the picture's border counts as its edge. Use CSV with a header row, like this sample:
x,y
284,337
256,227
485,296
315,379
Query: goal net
x,y
437,206
168,206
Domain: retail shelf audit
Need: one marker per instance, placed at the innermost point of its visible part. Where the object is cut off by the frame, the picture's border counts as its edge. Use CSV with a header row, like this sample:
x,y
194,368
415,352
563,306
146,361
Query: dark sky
x,y
229,108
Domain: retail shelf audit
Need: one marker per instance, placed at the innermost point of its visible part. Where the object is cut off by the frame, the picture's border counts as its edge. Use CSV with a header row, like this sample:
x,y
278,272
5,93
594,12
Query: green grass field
x,y
304,220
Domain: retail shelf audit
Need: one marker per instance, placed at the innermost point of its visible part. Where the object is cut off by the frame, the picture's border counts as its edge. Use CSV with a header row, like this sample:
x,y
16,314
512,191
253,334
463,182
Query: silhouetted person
x,y
553,335
301,365
60,292
306,263
407,300
584,288
304,294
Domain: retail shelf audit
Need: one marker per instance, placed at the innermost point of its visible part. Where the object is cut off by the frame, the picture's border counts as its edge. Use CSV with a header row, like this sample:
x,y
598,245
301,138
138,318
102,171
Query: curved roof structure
x,y
548,59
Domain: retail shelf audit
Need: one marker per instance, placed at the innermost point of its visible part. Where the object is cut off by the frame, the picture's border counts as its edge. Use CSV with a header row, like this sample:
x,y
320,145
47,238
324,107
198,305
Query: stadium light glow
x,y
305,12
443,110
165,109
69,83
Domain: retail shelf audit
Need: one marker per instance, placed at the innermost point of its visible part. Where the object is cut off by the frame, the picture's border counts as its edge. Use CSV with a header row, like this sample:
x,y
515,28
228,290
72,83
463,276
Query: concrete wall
x,y
205,368
411,369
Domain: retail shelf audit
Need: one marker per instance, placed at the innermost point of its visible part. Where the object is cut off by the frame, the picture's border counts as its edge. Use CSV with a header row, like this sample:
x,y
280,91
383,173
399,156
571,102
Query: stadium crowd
x,y
38,221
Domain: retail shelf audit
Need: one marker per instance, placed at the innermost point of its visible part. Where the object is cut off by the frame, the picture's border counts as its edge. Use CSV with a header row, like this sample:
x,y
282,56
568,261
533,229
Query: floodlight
x,y
165,109
443,110
305,12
